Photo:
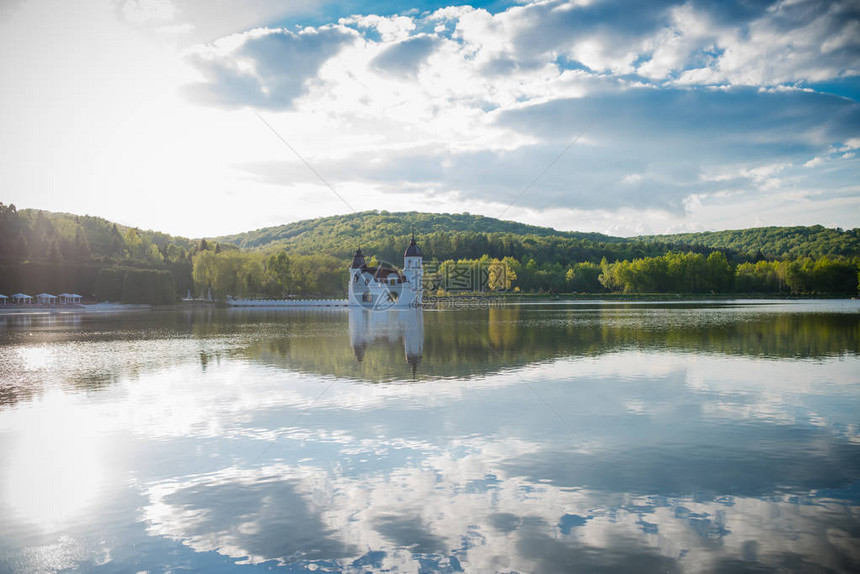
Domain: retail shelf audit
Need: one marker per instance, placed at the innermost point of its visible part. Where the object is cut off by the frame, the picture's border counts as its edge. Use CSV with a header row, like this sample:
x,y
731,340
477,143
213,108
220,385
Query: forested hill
x,y
770,242
327,233
37,235
45,236
455,236
57,252
441,236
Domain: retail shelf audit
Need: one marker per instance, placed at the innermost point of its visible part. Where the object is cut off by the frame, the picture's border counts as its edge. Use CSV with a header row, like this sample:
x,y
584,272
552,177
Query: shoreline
x,y
72,309
502,298
625,297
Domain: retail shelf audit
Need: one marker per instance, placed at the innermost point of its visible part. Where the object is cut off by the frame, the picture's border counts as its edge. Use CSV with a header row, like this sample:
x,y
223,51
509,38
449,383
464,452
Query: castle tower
x,y
355,269
413,269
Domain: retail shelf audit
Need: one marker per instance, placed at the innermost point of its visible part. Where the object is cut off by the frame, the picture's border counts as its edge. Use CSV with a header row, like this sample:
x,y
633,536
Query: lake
x,y
552,437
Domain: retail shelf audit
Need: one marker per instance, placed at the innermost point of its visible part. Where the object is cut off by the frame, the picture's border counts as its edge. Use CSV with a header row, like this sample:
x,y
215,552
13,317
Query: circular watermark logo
x,y
384,287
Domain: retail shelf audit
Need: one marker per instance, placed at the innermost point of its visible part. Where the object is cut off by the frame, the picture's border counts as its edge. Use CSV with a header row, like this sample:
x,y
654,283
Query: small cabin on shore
x,y
22,299
43,299
46,299
69,299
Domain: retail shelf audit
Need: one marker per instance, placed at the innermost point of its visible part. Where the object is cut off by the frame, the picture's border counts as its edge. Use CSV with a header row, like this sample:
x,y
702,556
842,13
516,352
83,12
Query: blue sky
x,y
592,115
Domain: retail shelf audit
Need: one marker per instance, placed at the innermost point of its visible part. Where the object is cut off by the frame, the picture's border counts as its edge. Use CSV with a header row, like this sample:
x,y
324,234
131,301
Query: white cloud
x,y
207,20
391,29
847,37
140,11
789,43
122,142
417,104
672,48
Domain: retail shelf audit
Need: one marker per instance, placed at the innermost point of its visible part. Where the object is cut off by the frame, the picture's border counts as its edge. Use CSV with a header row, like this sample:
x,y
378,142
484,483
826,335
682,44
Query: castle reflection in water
x,y
367,327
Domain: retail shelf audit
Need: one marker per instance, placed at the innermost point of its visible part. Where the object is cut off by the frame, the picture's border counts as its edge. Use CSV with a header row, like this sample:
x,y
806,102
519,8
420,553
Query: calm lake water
x,y
706,437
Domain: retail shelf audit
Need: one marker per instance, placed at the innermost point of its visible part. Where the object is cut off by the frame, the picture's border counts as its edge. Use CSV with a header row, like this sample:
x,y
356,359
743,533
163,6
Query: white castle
x,y
384,287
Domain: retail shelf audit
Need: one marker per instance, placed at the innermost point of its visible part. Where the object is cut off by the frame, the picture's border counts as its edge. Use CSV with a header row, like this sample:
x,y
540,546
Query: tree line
x,y
814,241
44,251
256,274
462,235
55,252
691,272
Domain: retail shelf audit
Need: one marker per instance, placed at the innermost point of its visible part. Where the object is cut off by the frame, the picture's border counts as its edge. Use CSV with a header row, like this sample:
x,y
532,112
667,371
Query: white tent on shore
x,y
21,298
46,299
3,299
70,299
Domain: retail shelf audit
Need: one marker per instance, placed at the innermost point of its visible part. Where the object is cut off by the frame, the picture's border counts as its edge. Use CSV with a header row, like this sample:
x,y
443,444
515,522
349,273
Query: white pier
x,y
288,302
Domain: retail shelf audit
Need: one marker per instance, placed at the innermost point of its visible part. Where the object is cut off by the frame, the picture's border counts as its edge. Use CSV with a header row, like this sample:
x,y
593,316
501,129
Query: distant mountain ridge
x,y
339,234
377,225
443,234
57,252
793,242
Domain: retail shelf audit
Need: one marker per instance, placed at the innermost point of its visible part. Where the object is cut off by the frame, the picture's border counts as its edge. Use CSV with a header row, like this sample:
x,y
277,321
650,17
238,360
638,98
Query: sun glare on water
x,y
36,357
55,468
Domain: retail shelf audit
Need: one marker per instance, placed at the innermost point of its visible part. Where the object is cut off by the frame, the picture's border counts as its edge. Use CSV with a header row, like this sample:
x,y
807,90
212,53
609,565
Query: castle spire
x,y
358,260
412,250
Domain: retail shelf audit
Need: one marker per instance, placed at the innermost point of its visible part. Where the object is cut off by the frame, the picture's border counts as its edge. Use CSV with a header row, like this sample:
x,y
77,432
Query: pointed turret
x,y
358,260
412,250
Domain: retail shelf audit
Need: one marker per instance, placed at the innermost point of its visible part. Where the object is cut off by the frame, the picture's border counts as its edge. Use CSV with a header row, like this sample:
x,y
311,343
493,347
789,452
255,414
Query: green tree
x,y
720,274
136,248
583,277
279,270
154,255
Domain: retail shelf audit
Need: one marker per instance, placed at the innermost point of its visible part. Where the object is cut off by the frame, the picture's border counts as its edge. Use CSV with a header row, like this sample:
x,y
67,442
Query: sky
x,y
208,117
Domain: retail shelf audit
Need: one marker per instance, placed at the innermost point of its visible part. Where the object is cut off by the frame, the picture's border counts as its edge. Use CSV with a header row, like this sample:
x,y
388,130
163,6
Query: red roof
x,y
384,273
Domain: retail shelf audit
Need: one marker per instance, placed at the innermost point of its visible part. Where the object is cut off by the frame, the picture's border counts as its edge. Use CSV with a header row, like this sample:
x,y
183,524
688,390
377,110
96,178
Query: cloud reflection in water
x,y
724,440
673,487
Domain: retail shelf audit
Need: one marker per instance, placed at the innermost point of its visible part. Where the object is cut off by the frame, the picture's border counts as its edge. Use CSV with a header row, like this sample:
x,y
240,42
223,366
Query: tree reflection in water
x,y
724,438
